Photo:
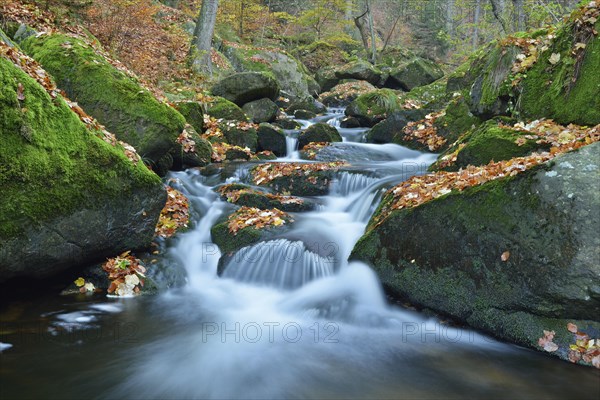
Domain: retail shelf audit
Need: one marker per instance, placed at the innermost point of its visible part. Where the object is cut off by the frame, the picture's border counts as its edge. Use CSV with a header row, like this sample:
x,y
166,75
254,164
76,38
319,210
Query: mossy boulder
x,y
4,38
243,136
301,183
417,72
373,107
221,108
193,151
304,114
68,197
245,87
193,113
567,91
326,78
262,110
386,130
319,132
272,138
457,120
291,75
249,197
447,254
491,142
395,56
343,94
360,70
309,104
229,243
287,123
560,82
319,54
116,100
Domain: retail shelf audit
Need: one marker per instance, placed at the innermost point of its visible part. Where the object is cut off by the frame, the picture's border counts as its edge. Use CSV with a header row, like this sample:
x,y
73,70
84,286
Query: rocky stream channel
x,y
288,317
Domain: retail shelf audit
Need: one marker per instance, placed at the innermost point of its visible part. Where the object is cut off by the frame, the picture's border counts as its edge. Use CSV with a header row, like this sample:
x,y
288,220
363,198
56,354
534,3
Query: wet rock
x,y
272,138
319,132
544,221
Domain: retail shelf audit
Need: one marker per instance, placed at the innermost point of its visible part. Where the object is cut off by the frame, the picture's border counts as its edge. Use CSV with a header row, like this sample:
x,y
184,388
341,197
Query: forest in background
x,y
153,38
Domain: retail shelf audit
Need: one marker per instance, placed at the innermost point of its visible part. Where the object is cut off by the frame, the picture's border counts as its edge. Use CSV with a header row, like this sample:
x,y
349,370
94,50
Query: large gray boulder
x,y
360,70
512,257
245,87
415,73
262,110
68,197
291,75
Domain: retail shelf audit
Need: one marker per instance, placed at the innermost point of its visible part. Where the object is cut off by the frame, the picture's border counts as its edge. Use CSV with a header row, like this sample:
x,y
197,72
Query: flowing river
x,y
288,318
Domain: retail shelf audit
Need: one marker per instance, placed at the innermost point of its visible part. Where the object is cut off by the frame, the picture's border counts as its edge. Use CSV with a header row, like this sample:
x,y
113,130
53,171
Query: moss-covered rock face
x,y
191,151
327,79
556,80
116,100
415,73
319,132
373,107
237,136
243,195
68,198
457,120
263,110
193,113
446,254
272,138
386,130
291,75
247,86
309,104
221,108
567,91
360,70
320,54
490,142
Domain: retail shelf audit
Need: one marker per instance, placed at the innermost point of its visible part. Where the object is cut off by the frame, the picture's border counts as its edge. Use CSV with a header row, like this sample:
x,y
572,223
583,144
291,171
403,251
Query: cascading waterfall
x,y
288,318
279,263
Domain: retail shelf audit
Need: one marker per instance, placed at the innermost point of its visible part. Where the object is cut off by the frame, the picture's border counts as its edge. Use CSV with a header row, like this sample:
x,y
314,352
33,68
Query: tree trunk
x,y
364,34
372,30
518,15
499,11
241,27
203,35
450,18
476,24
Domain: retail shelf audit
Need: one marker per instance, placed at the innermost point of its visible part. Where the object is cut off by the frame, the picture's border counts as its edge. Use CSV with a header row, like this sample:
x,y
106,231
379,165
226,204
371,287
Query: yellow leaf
x,y
554,58
80,282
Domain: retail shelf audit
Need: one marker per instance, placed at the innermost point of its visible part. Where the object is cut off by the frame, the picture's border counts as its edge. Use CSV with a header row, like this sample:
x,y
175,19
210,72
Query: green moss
x,y
50,164
374,106
320,54
548,90
115,99
457,121
225,109
228,242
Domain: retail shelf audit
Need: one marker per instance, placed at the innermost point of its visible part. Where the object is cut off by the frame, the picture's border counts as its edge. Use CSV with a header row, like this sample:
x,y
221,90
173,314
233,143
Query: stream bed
x,y
288,318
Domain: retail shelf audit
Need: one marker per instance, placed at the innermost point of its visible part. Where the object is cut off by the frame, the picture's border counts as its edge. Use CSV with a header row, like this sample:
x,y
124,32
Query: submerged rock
x,y
68,197
513,257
